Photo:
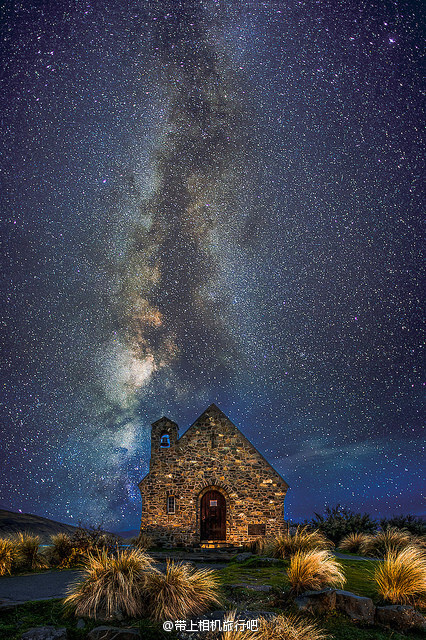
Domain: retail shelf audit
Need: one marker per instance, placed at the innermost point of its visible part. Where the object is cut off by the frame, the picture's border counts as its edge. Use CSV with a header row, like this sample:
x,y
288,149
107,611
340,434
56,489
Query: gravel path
x,y
36,586
52,584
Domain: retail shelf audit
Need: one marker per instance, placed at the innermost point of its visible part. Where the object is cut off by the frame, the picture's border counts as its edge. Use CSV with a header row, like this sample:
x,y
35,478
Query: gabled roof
x,y
214,409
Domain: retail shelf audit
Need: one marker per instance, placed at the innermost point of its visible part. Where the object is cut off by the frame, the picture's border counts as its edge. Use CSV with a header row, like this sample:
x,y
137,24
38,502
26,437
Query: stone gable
x,y
210,484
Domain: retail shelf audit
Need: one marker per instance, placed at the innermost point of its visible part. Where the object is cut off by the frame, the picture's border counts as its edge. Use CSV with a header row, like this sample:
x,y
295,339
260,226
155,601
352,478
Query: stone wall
x,y
212,454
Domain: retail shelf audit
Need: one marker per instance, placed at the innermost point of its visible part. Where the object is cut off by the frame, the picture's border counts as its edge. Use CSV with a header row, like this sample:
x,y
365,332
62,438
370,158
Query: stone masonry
x,y
212,455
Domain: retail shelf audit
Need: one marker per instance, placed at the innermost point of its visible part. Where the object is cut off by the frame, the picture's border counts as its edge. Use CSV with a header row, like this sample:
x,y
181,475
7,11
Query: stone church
x,y
210,486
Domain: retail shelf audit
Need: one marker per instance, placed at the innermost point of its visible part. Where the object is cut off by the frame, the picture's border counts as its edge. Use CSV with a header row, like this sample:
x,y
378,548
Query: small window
x,y
170,504
165,441
213,503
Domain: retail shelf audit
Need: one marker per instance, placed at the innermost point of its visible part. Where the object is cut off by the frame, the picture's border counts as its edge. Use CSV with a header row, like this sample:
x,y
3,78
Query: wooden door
x,y
213,516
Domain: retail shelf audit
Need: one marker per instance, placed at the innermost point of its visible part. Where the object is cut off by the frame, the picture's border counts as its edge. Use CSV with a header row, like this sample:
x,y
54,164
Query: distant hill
x,y
11,522
133,533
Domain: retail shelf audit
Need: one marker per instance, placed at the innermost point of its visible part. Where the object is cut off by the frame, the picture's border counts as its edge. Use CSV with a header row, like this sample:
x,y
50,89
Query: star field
x,y
209,201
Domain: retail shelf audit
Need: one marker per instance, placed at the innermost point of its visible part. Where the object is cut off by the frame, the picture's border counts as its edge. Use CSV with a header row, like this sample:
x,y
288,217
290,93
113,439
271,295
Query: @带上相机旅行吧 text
x,y
210,625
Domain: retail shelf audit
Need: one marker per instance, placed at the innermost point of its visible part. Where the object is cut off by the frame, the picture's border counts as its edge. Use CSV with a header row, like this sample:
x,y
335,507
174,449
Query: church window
x,y
171,504
165,441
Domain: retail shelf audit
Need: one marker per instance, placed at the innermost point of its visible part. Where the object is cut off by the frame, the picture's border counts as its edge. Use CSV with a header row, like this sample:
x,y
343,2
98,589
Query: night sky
x,y
209,201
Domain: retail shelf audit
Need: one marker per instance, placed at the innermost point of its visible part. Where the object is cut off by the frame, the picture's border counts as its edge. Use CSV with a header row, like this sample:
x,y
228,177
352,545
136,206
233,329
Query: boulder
x,y
356,607
400,617
240,557
113,633
45,633
317,601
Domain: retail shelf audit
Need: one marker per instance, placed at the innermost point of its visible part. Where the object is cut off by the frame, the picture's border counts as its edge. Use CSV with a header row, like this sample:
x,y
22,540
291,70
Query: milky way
x,y
211,202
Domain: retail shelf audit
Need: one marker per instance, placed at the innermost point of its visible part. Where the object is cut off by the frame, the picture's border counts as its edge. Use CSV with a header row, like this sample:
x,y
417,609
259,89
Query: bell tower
x,y
164,435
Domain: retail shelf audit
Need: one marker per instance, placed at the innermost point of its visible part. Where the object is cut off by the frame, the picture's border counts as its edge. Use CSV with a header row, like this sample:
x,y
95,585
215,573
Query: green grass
x,y
359,575
15,621
254,572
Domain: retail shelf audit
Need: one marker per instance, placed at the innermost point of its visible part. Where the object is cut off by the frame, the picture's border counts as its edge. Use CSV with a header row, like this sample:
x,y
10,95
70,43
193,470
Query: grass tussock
x,y
111,583
289,628
60,551
280,627
7,556
302,539
384,542
260,546
314,569
180,592
354,542
143,541
401,577
28,556
235,633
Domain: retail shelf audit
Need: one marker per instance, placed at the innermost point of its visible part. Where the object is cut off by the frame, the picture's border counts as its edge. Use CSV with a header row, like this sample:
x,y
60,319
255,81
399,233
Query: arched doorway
x,y
213,516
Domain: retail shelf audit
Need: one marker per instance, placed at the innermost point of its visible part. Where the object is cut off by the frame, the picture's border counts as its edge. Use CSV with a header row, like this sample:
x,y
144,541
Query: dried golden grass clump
x,y
180,592
354,542
314,569
288,628
302,539
7,556
235,633
401,577
28,551
142,541
391,539
111,583
261,546
60,550
278,628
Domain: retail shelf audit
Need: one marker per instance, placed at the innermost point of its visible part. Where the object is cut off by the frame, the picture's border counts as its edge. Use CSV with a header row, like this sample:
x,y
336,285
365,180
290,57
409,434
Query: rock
x,y
317,601
80,624
356,607
260,587
252,587
45,633
113,633
240,557
400,617
267,560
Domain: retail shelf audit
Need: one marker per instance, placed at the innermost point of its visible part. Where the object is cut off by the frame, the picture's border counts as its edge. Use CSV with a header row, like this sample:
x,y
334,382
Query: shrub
x,y
110,584
28,551
288,628
180,592
61,550
384,541
302,539
354,542
7,556
142,541
413,524
88,539
314,569
337,522
401,577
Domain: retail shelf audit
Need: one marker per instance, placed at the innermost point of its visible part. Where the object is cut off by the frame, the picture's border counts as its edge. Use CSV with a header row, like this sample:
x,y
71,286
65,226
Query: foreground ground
x,y
244,584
